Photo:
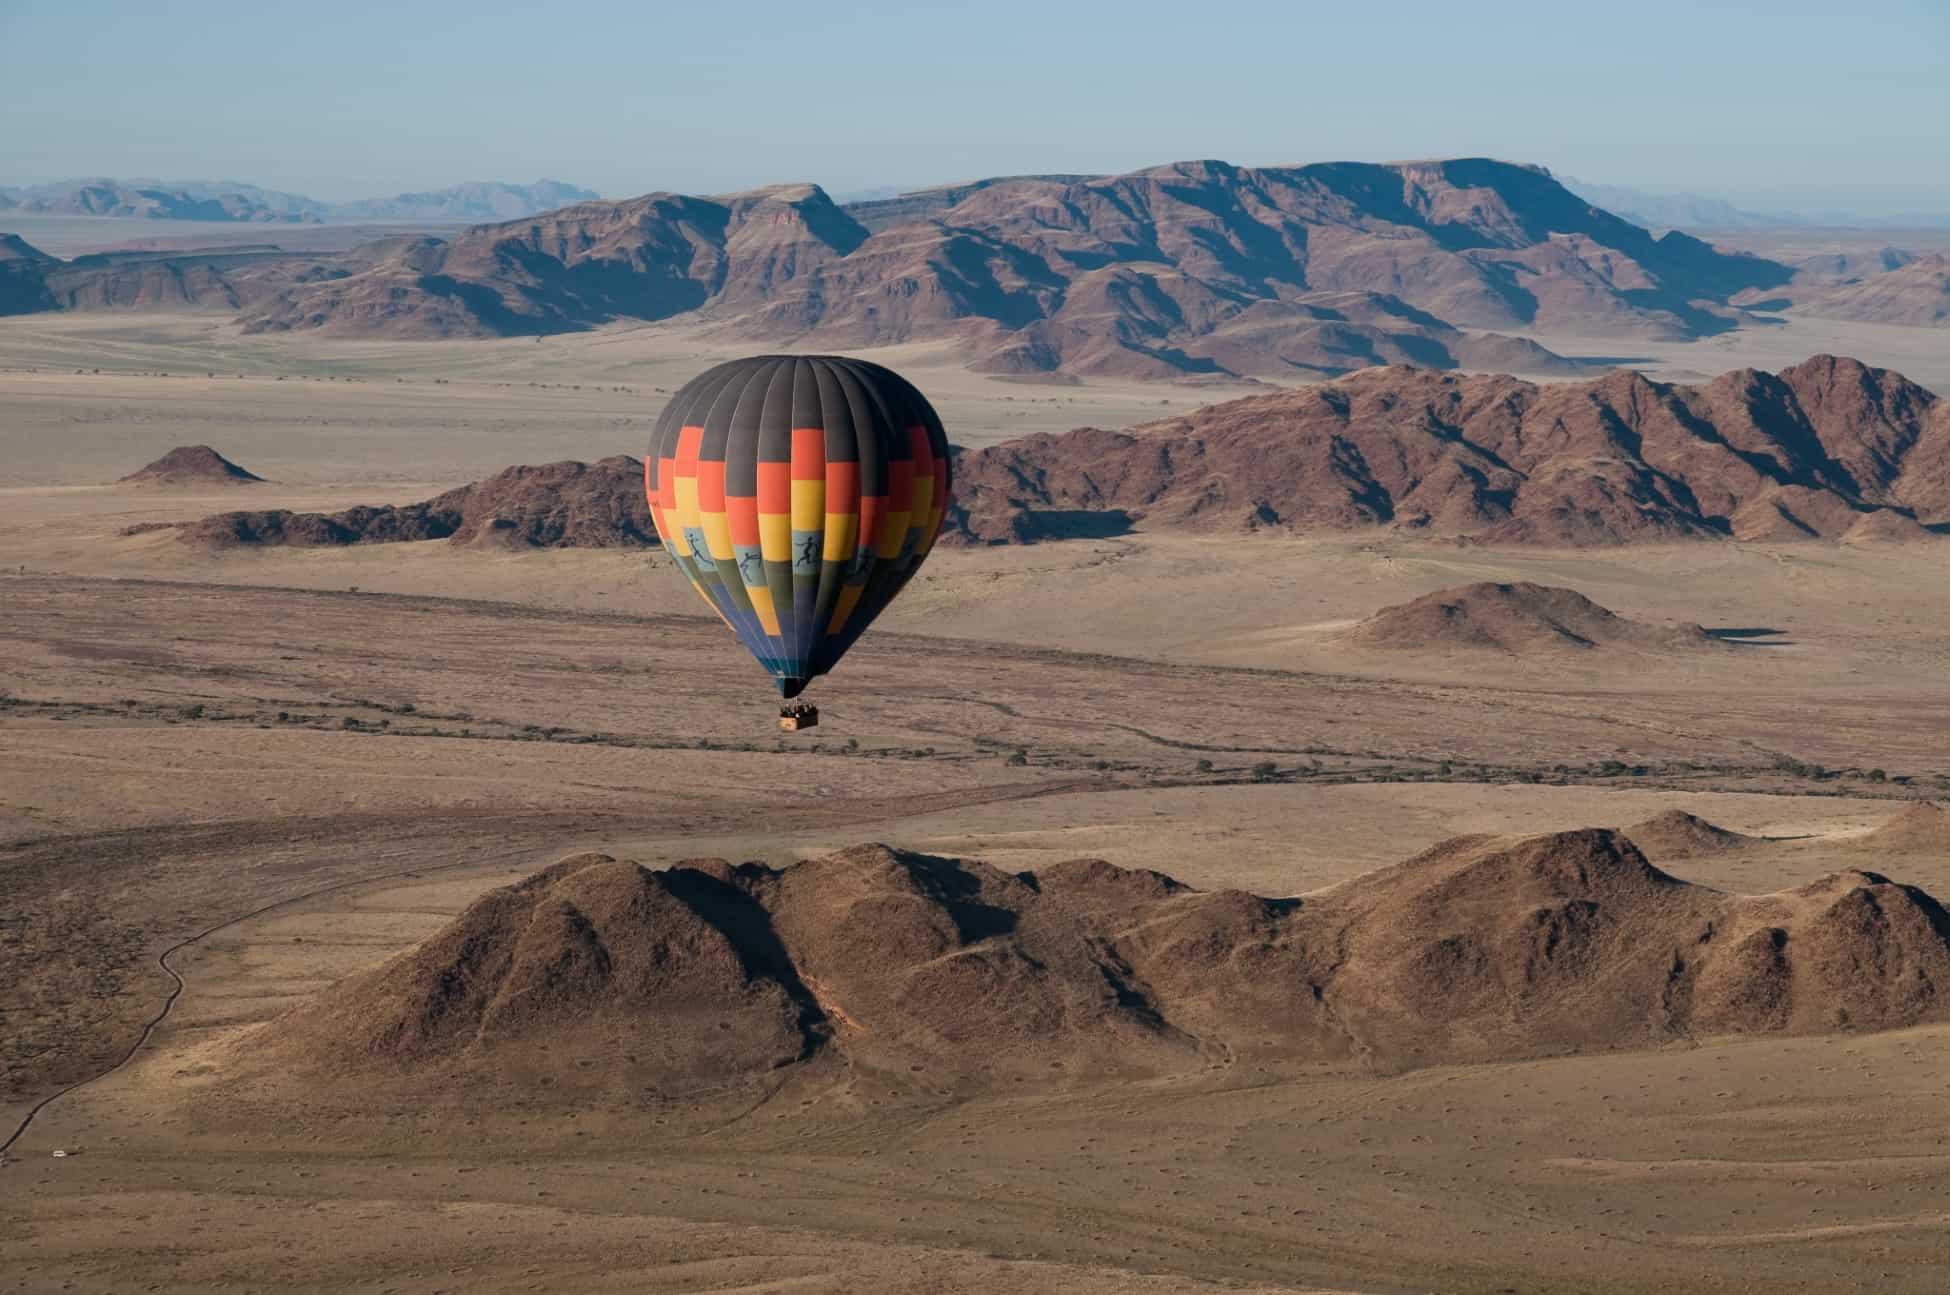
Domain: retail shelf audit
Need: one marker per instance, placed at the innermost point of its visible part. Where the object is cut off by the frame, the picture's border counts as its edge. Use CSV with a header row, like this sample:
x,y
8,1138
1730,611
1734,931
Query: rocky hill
x,y
224,280
192,465
1915,291
1518,619
1921,826
1829,448
599,975
552,505
1675,834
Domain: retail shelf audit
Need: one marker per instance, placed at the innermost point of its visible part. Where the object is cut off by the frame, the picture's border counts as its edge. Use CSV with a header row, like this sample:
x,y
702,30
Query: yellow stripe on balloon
x,y
775,536
808,504
686,509
717,534
923,497
893,531
761,597
842,535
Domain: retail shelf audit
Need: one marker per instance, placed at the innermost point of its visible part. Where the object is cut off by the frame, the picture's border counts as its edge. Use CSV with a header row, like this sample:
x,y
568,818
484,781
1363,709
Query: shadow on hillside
x,y
1081,523
1750,636
1613,361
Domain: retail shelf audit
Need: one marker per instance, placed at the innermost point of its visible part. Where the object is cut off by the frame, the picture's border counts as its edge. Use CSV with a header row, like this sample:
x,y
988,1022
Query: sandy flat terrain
x,y
227,781
356,412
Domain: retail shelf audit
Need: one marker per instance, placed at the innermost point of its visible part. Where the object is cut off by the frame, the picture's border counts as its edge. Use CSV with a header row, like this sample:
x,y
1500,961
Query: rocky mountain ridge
x,y
610,977
1829,448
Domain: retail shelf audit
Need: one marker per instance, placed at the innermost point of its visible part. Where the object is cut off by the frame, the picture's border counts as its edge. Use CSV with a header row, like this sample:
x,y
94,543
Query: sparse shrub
x,y
1203,766
1265,771
852,744
1017,759
1877,775
1100,765
192,712
349,723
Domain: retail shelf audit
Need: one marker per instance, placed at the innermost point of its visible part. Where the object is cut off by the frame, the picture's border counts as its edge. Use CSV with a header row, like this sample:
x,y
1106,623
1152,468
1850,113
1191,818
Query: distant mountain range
x,y
1191,269
230,200
1657,210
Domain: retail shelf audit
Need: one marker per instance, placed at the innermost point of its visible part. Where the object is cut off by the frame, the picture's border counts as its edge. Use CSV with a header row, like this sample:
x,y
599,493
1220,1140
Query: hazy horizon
x,y
1771,106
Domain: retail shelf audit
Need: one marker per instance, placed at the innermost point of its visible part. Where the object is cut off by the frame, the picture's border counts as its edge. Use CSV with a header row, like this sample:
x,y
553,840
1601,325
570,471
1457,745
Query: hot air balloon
x,y
798,494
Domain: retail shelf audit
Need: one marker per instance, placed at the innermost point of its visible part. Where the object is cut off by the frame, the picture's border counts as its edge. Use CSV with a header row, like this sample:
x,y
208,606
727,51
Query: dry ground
x,y
227,780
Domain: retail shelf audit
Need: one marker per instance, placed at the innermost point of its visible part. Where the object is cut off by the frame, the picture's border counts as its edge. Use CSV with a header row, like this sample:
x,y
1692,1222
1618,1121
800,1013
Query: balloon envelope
x,y
798,493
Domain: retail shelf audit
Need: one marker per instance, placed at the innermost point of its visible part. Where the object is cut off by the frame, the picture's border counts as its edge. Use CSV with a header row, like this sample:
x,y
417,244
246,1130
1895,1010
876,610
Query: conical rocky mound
x,y
1921,826
599,975
1522,619
1675,834
566,963
192,465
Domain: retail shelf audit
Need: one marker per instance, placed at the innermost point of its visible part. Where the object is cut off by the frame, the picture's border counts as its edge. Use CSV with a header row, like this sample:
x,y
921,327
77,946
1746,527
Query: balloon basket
x,y
795,717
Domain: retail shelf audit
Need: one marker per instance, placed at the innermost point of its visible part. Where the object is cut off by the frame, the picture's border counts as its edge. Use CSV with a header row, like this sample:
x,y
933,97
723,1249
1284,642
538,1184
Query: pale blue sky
x,y
1782,103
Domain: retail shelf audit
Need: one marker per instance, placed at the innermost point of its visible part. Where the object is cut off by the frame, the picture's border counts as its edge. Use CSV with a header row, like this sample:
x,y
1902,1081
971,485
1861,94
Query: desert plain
x,y
231,779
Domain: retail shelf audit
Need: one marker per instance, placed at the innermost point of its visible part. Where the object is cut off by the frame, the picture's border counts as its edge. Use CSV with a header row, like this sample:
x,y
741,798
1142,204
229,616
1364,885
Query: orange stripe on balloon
x,y
775,487
872,509
842,486
689,441
808,453
743,512
710,486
